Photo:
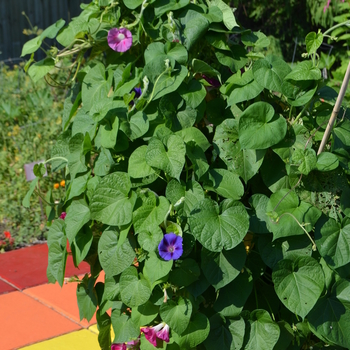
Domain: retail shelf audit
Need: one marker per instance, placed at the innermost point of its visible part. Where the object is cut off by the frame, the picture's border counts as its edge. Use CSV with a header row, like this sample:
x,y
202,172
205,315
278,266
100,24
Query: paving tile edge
x,y
11,284
57,311
50,338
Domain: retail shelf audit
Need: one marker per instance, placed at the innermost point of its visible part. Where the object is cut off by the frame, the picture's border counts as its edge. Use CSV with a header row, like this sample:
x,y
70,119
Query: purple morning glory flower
x,y
119,40
138,92
212,81
170,247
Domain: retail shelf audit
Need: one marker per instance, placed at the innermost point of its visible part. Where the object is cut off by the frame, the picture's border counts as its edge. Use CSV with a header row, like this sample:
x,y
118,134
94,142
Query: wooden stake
x,y
335,111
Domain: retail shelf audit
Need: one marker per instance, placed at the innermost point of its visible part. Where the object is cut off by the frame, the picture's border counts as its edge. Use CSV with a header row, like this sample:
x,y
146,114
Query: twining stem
x,y
335,111
138,18
295,186
302,112
336,26
268,304
167,70
314,248
37,192
76,49
71,45
56,158
167,215
256,297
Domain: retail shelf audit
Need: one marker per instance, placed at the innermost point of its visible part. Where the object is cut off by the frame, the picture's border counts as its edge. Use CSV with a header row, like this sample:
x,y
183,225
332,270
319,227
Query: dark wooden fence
x,y
42,13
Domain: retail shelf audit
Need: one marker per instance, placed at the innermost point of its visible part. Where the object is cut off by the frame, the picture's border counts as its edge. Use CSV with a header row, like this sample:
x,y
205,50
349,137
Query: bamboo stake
x,y
335,111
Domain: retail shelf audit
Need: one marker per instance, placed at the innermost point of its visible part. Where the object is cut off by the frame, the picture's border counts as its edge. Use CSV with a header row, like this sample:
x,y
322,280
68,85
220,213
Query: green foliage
x,y
219,148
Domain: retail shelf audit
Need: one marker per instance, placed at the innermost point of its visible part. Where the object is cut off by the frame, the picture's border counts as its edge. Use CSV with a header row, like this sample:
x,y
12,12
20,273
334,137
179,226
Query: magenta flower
x,y
119,40
150,335
118,346
133,344
63,215
326,7
164,334
170,247
160,331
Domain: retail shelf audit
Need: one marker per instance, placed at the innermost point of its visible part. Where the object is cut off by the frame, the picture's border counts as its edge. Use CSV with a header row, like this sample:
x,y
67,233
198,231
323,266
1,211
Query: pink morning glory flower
x,y
170,247
119,40
63,215
326,7
160,331
133,344
164,334
118,346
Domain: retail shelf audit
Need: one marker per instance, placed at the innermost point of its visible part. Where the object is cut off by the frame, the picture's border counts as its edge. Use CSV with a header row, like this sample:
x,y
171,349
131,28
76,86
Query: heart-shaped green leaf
x,y
124,327
137,164
57,242
150,212
242,87
333,242
305,159
77,216
304,70
133,291
222,267
291,213
331,315
260,120
313,41
215,230
177,314
264,333
298,283
115,255
112,203
270,71
195,333
156,268
232,298
225,334
169,157
225,183
327,161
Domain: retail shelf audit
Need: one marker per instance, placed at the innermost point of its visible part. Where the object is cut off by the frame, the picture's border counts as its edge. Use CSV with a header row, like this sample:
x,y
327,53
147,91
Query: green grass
x,y
30,119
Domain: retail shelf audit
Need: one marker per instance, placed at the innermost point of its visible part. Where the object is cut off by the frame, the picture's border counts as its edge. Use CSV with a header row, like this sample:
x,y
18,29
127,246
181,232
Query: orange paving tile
x,y
25,321
63,300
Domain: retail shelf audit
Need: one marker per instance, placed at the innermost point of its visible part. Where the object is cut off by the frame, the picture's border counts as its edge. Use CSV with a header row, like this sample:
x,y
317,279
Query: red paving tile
x,y
5,287
26,267
25,321
63,300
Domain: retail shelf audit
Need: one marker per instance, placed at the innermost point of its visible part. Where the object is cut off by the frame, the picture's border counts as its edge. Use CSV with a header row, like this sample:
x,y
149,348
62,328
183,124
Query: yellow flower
x,y
16,130
56,186
63,183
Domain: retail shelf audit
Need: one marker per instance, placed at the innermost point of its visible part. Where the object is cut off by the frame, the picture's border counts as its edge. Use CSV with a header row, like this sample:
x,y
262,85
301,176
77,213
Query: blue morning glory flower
x,y
170,247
